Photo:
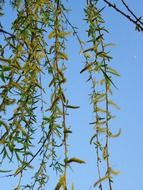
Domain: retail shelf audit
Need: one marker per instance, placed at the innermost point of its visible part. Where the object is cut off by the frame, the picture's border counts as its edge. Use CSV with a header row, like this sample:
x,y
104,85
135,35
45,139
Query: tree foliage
x,y
33,61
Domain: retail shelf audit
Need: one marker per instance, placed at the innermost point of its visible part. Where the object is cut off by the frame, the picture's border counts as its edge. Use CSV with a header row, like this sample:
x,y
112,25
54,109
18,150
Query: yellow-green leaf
x,y
101,180
20,128
62,34
60,183
105,153
18,170
113,172
113,104
62,55
51,35
16,85
77,160
115,135
87,67
112,71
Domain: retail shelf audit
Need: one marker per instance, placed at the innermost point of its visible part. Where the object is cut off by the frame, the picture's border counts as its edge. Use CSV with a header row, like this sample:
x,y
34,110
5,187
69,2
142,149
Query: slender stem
x,y
132,13
62,101
107,114
136,21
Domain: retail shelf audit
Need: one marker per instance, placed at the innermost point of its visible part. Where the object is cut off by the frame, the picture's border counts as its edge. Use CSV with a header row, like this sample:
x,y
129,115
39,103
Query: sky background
x,y
126,151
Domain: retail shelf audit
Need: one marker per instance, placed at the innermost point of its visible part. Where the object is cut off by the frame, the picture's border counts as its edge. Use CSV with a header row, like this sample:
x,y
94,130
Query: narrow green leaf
x,y
113,172
63,34
108,78
92,138
77,160
115,135
67,130
105,153
101,180
19,127
54,103
52,35
72,107
60,183
62,55
5,171
86,67
112,71
18,170
113,104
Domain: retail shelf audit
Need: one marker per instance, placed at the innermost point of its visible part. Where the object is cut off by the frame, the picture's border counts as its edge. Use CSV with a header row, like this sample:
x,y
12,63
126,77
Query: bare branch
x,y
5,32
136,21
131,12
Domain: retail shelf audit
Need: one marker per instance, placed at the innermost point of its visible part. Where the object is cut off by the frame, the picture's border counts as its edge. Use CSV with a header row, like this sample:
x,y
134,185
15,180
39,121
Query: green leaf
x,y
87,67
92,138
105,153
62,55
53,81
5,171
19,127
60,183
52,34
108,78
62,34
104,55
72,107
54,103
109,44
100,110
113,104
112,71
113,172
115,135
67,130
77,160
16,85
101,180
18,170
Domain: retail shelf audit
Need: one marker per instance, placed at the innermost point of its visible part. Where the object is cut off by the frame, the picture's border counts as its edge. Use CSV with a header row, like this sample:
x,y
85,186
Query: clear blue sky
x,y
127,150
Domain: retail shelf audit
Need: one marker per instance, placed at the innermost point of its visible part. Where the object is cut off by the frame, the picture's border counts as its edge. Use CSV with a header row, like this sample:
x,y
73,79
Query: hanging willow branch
x,y
32,56
97,59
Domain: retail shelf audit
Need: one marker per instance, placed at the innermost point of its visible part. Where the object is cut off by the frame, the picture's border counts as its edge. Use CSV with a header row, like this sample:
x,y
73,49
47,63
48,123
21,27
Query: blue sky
x,y
126,151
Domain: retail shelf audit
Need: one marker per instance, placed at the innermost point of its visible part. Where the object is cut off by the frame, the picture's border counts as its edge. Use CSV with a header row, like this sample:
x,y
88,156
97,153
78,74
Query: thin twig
x,y
5,32
134,21
131,12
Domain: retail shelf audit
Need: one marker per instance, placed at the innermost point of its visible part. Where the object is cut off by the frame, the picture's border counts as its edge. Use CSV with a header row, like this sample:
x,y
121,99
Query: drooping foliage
x,y
33,101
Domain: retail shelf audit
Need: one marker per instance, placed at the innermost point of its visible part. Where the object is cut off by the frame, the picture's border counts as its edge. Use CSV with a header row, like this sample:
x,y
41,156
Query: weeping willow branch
x,y
132,13
137,21
97,66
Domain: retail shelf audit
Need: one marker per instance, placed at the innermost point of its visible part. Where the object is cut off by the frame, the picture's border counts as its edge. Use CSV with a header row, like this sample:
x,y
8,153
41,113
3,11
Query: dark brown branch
x,y
131,12
135,21
5,32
